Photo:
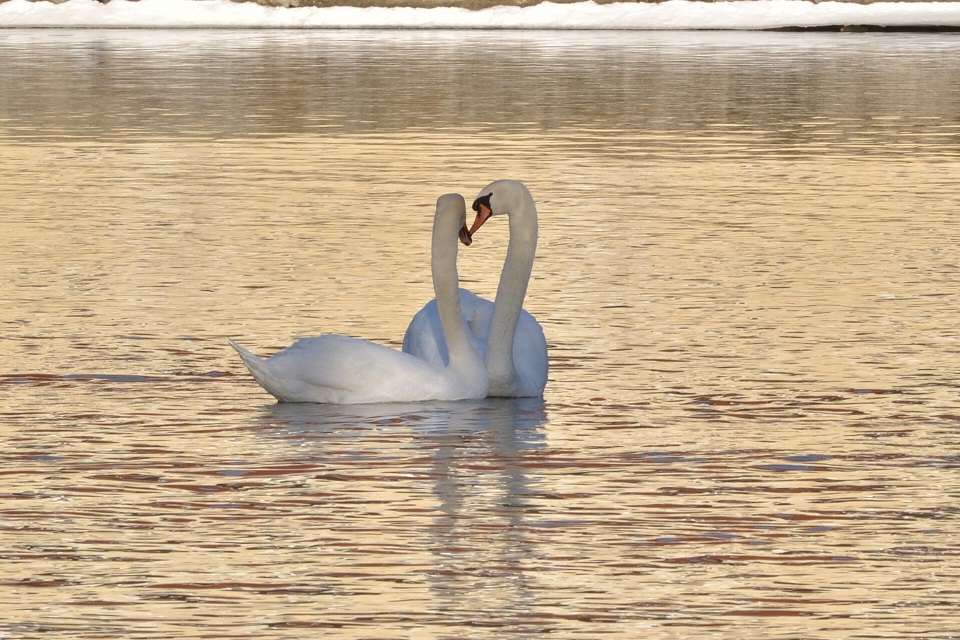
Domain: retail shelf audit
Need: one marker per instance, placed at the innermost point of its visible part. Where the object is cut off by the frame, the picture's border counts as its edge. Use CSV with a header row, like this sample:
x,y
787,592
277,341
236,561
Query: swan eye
x,y
483,201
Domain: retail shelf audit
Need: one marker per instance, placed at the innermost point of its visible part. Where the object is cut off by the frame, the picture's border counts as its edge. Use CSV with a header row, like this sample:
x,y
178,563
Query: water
x,y
747,277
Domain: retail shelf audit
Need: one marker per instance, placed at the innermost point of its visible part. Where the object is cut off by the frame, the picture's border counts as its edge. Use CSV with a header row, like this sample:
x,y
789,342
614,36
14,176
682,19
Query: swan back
x,y
424,339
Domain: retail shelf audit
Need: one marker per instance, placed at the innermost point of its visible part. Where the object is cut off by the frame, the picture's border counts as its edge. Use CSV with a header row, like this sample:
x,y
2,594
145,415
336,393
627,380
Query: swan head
x,y
484,210
499,198
453,206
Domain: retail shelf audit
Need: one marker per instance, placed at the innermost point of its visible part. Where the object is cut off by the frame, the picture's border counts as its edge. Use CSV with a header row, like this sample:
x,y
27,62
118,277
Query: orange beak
x,y
483,214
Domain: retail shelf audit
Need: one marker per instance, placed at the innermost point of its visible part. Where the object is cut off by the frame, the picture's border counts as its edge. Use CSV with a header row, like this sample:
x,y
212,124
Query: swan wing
x,y
530,356
424,336
424,339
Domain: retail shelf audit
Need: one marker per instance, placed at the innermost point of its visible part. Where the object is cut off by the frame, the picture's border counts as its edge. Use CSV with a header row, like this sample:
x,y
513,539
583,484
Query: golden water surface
x,y
747,275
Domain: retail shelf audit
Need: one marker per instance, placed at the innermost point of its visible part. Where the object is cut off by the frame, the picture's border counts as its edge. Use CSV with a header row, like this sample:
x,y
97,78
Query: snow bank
x,y
674,14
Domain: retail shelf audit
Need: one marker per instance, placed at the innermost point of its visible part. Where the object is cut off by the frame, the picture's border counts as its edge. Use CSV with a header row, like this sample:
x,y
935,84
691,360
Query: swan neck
x,y
446,287
512,290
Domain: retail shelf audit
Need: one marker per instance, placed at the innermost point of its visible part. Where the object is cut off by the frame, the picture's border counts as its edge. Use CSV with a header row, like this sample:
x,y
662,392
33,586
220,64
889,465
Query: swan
x,y
510,339
337,369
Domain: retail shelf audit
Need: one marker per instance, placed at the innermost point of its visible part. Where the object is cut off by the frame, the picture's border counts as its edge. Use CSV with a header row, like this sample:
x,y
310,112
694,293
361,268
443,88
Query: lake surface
x,y
747,276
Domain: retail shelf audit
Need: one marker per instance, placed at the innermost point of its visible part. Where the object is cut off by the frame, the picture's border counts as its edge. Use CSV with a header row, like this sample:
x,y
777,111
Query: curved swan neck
x,y
512,289
446,281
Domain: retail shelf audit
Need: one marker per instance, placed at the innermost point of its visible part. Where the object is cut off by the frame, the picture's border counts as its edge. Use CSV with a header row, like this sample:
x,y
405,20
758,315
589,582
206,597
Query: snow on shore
x,y
673,14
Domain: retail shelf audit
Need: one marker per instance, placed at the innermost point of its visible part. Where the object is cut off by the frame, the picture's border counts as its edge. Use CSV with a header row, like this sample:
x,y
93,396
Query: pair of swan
x,y
458,347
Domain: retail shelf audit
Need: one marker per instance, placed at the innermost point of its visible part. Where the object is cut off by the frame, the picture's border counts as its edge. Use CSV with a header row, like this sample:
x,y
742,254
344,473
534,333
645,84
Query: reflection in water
x,y
483,495
747,276
478,470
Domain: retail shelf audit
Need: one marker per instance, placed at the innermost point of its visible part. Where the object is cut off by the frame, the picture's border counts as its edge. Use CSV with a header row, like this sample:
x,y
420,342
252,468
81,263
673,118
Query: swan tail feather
x,y
260,371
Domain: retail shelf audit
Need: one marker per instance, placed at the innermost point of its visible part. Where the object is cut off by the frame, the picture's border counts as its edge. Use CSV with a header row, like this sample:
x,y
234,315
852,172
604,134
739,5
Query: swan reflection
x,y
516,418
480,534
465,465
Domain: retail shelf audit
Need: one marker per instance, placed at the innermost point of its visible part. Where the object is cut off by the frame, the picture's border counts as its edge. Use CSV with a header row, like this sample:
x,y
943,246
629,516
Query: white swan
x,y
510,339
342,370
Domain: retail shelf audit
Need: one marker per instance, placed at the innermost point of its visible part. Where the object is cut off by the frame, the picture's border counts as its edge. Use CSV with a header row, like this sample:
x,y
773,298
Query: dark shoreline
x,y
870,28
